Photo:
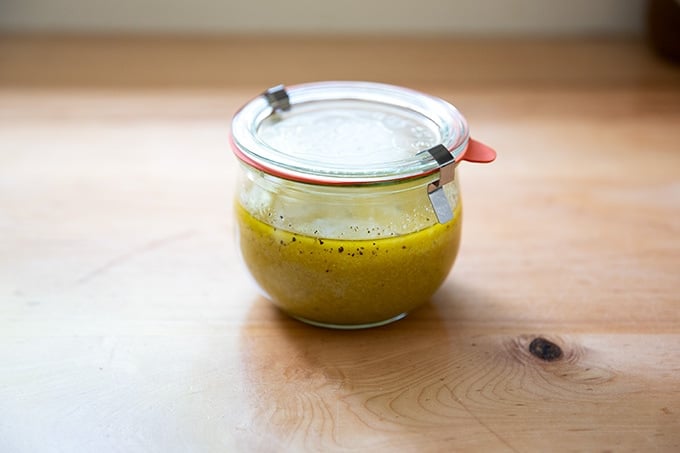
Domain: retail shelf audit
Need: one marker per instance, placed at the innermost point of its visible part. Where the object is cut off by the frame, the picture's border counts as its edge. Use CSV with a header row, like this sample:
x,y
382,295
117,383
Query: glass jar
x,y
348,207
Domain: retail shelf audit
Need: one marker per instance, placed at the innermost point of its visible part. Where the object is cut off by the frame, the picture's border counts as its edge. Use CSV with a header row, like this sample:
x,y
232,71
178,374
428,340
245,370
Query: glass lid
x,y
346,132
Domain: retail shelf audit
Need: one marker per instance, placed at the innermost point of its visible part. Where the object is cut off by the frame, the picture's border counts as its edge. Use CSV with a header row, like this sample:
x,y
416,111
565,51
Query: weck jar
x,y
348,206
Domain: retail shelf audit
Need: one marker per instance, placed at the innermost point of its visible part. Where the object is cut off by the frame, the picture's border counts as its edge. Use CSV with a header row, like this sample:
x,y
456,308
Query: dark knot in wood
x,y
545,350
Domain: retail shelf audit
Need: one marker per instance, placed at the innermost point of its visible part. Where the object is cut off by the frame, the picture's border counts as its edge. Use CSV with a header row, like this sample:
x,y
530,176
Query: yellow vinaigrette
x,y
351,282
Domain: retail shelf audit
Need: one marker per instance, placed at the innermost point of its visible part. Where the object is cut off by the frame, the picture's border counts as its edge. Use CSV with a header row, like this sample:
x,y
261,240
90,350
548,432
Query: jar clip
x,y
277,97
447,172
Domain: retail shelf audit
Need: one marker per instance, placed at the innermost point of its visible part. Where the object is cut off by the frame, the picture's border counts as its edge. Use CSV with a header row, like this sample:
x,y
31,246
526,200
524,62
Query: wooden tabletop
x,y
127,322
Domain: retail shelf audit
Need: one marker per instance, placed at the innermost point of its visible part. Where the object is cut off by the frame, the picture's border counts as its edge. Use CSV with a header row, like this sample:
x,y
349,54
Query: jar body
x,y
345,256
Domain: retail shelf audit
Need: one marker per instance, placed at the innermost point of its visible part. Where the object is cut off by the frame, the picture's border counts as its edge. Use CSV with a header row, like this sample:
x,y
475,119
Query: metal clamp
x,y
277,97
435,190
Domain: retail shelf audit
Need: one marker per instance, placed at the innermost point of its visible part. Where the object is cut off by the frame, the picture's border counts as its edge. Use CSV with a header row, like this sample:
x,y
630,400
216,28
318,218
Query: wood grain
x,y
430,389
128,324
200,62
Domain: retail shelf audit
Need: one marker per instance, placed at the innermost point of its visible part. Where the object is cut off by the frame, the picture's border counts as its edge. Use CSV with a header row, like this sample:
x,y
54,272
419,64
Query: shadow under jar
x,y
348,207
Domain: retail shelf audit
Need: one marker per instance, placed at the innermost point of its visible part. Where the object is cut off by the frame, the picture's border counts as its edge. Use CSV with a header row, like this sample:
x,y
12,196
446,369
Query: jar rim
x,y
387,132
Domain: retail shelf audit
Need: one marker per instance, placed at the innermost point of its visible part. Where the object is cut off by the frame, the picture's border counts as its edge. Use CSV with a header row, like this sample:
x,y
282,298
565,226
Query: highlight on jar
x,y
348,206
